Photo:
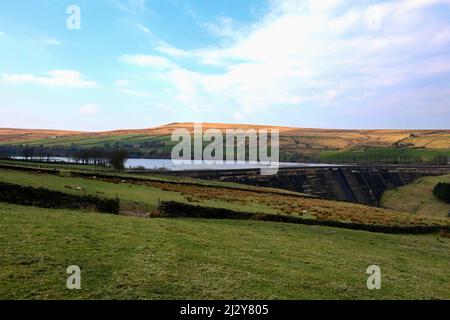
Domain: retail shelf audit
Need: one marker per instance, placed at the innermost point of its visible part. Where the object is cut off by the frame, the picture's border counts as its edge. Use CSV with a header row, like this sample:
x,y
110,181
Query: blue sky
x,y
142,63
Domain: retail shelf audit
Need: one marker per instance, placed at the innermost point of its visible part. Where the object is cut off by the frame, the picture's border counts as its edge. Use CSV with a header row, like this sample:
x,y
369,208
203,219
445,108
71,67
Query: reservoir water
x,y
167,164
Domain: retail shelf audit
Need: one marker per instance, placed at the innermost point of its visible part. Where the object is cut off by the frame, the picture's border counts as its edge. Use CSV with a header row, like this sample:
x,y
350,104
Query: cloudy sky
x,y
141,63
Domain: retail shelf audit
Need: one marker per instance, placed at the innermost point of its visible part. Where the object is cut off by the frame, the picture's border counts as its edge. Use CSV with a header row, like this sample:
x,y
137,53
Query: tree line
x,y
107,157
442,191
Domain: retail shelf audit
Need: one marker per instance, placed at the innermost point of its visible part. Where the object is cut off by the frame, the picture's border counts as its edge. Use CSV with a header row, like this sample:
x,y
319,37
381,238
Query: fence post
x,y
158,204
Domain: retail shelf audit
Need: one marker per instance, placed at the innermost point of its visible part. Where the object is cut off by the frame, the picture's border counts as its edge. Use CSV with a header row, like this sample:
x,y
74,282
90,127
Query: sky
x,y
306,63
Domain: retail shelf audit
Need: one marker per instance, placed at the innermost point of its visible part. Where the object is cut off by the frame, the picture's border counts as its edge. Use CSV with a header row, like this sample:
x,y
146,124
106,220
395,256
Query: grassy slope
x,y
128,258
414,143
418,197
143,198
91,169
388,155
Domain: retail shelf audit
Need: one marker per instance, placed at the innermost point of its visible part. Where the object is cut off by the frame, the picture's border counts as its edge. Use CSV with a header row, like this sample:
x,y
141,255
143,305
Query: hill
x,y
134,258
21,135
335,145
418,198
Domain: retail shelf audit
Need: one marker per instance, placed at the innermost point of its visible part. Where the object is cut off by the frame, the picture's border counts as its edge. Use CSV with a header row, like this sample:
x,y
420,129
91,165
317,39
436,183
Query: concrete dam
x,y
359,184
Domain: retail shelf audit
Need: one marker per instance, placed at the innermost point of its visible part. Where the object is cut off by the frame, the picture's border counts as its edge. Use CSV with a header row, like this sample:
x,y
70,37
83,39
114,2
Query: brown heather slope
x,y
290,138
11,135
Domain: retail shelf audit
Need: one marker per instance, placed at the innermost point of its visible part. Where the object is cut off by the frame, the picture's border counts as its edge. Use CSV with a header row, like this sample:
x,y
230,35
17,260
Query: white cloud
x,y
123,86
442,37
137,4
2,34
224,27
131,6
323,5
173,51
89,109
135,93
150,61
314,52
53,78
143,28
122,83
49,41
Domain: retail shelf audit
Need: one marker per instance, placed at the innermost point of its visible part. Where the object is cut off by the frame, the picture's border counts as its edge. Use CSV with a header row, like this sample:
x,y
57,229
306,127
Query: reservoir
x,y
167,164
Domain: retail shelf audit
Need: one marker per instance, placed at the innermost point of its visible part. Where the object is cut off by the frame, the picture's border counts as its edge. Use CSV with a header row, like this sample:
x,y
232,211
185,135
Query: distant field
x,y
296,144
136,258
418,198
383,155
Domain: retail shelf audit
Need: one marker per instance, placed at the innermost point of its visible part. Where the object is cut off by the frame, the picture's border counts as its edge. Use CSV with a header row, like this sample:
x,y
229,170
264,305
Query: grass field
x,y
142,198
131,257
154,176
418,198
382,155
135,258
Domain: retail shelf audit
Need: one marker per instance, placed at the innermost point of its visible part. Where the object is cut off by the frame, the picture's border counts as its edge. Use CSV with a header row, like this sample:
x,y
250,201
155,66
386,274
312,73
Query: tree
x,y
3,152
28,152
442,191
297,142
117,159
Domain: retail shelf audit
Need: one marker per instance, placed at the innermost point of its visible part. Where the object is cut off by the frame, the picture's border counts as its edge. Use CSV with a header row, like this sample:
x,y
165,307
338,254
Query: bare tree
x,y
117,159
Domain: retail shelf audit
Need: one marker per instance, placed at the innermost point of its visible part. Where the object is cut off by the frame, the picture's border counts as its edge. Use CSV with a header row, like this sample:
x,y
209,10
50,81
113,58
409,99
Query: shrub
x,y
44,198
117,159
442,192
445,233
169,209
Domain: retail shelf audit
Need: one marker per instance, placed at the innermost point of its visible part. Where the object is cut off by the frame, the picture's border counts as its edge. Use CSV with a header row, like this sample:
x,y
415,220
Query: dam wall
x,y
359,184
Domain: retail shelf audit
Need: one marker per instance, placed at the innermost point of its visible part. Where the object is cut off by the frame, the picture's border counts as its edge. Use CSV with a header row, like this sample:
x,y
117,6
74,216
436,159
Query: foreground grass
x,y
135,258
418,197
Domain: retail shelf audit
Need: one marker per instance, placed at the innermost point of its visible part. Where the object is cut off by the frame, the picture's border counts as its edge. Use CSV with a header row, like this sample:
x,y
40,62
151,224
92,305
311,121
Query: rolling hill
x,y
335,145
418,198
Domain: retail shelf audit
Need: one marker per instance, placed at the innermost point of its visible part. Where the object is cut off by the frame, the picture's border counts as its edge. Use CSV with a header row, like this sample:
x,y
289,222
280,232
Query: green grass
x,y
93,141
78,140
135,258
382,155
142,197
418,197
153,176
